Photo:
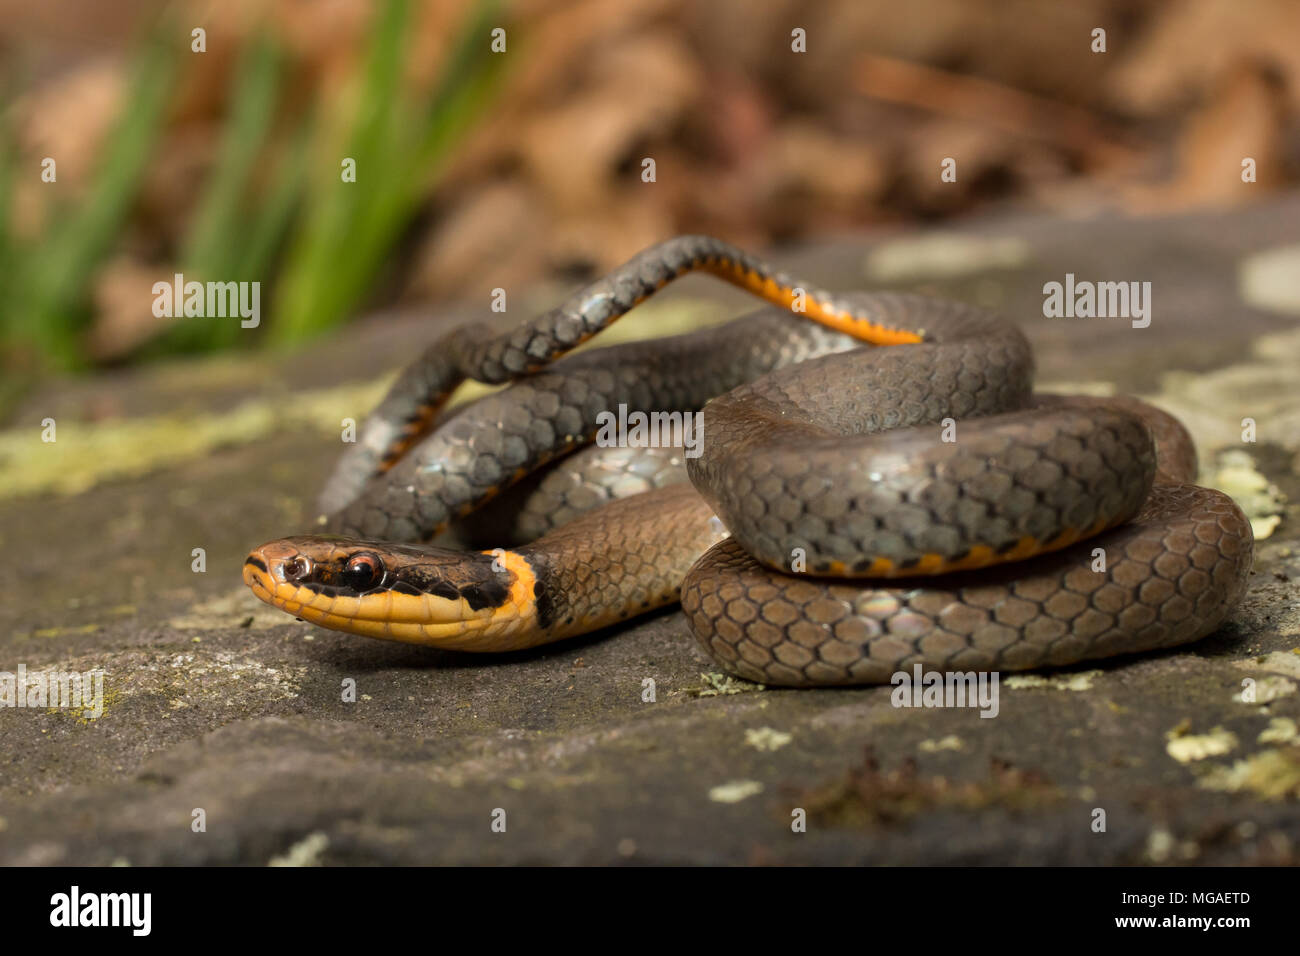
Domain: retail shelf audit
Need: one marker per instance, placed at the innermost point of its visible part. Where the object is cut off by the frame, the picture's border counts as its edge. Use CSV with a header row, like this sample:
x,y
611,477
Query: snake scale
x,y
888,490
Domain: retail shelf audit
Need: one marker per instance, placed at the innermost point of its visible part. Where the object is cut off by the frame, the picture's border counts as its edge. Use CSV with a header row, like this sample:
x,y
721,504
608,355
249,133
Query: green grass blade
x,y
396,144
62,273
215,244
213,240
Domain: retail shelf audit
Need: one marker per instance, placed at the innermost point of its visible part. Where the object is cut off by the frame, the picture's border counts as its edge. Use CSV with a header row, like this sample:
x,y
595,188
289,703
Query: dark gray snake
x,y
997,529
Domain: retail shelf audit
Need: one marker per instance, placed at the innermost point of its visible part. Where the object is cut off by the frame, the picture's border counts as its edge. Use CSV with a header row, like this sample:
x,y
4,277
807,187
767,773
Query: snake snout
x,y
277,563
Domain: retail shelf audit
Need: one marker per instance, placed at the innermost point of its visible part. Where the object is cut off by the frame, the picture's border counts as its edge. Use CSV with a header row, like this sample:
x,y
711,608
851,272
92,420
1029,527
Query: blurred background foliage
x,y
478,169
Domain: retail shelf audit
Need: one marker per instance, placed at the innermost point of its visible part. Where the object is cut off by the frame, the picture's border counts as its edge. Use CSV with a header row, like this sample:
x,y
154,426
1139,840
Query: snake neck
x,y
620,561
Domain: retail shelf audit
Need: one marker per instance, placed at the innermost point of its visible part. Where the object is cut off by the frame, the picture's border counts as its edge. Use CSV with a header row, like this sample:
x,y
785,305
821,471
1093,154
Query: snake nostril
x,y
297,568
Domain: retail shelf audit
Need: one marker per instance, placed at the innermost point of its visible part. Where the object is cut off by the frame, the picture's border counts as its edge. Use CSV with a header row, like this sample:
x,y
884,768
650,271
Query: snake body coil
x,y
994,529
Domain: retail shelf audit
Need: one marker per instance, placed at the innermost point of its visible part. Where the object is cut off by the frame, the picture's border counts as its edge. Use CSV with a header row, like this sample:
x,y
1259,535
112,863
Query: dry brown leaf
x,y
1193,44
807,166
1244,118
123,304
573,151
491,237
66,120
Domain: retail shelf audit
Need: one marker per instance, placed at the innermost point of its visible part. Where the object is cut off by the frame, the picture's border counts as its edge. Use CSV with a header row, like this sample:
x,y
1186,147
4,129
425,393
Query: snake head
x,y
421,595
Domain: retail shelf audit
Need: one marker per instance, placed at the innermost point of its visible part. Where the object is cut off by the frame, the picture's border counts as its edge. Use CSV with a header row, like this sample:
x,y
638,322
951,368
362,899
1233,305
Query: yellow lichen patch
x,y
951,742
1230,407
1280,730
722,685
1078,387
84,717
1268,279
1258,497
1080,681
1279,662
46,633
766,739
944,256
735,791
1274,685
1265,690
1273,774
1185,747
306,852
84,454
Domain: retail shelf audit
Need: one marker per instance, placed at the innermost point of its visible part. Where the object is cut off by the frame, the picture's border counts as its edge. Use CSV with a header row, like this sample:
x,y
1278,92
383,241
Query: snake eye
x,y
362,571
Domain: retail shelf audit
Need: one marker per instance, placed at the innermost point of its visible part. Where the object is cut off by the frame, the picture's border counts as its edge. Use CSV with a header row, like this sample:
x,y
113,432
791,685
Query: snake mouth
x,y
300,576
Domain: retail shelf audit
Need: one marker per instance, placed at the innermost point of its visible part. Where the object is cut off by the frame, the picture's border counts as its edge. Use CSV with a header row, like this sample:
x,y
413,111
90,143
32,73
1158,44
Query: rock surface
x,y
215,703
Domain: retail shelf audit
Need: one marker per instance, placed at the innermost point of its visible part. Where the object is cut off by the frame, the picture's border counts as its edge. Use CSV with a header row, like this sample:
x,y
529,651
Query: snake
x,y
877,487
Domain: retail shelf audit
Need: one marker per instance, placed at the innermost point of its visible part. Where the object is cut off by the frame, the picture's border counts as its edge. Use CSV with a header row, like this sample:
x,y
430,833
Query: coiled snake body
x,y
993,529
